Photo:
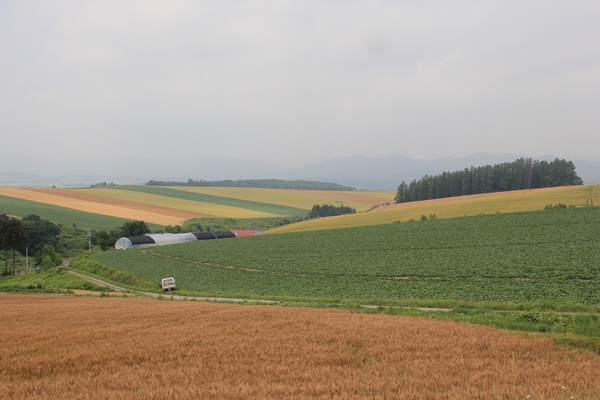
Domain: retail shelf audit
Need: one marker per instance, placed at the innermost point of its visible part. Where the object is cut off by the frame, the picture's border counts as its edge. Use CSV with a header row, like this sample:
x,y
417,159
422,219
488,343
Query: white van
x,y
168,284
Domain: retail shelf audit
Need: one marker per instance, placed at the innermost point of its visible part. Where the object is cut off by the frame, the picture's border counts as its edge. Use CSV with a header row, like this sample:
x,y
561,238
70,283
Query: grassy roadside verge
x,y
53,280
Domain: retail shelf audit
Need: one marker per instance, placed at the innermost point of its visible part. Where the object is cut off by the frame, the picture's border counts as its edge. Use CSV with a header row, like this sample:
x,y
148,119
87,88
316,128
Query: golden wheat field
x,y
360,200
71,347
163,210
121,208
197,208
490,203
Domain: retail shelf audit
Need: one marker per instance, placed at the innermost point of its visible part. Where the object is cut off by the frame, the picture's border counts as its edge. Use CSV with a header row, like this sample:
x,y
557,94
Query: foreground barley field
x,y
105,348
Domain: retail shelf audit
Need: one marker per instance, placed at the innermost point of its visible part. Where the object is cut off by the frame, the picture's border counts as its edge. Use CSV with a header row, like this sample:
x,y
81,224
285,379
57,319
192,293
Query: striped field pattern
x,y
492,203
172,206
303,199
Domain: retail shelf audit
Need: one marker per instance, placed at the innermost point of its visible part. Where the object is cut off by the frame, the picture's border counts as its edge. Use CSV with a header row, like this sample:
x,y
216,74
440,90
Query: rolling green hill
x,y
549,255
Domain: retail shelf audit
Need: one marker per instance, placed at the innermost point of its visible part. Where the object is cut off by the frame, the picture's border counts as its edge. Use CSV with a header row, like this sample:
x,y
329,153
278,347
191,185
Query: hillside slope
x,y
491,203
173,206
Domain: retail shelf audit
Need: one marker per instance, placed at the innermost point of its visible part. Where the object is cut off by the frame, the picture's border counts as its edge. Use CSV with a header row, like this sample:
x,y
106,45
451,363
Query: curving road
x,y
116,288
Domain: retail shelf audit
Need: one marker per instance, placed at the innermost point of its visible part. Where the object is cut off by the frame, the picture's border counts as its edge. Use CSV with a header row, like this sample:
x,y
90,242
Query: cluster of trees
x,y
30,235
102,184
328,210
107,239
12,239
48,243
256,183
523,173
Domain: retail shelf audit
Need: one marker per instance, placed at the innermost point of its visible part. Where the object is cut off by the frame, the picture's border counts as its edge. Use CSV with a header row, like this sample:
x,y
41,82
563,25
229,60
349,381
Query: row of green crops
x,y
224,201
61,215
547,255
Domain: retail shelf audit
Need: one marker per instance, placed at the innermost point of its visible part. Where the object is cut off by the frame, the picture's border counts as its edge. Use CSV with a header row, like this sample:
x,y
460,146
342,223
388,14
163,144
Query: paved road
x,y
116,288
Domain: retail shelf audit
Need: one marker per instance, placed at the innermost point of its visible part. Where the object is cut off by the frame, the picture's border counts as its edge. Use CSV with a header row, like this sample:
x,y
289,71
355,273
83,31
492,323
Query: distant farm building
x,y
160,239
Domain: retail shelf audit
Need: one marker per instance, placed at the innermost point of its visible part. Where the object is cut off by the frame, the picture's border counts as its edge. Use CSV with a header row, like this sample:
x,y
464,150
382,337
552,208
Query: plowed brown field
x,y
106,348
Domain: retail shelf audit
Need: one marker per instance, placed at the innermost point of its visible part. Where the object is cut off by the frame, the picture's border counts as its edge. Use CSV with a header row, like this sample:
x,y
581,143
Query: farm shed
x,y
160,239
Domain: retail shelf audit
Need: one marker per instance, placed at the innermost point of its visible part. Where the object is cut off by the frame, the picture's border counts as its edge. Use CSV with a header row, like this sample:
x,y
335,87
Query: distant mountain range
x,y
360,172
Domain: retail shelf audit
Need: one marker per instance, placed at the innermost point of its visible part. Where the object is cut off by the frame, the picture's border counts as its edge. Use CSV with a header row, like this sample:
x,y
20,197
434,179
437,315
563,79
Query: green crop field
x,y
161,206
549,255
62,215
172,193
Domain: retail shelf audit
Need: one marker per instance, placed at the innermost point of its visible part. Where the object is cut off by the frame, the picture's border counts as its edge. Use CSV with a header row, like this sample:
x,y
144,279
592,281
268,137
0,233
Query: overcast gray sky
x,y
299,79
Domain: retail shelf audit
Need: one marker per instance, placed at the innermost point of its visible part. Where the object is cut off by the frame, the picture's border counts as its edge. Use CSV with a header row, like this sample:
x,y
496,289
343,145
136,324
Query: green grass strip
x,y
62,215
225,201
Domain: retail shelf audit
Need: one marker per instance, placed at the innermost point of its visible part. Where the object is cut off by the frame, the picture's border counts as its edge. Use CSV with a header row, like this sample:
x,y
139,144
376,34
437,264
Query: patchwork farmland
x,y
491,203
519,263
173,206
105,208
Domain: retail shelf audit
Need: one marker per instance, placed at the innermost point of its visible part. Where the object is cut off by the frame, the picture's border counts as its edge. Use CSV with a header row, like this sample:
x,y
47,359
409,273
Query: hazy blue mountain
x,y
357,171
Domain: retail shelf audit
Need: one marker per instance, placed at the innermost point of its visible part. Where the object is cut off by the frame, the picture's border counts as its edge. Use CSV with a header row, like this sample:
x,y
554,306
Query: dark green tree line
x,y
106,240
523,173
12,238
329,210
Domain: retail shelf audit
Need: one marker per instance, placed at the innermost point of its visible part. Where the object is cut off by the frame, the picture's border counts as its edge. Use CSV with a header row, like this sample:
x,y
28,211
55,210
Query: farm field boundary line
x,y
349,198
301,199
527,200
100,206
102,200
68,216
147,200
265,207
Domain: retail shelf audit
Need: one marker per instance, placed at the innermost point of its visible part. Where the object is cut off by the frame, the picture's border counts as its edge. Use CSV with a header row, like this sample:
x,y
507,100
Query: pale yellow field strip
x,y
355,199
387,195
91,207
206,209
503,202
299,198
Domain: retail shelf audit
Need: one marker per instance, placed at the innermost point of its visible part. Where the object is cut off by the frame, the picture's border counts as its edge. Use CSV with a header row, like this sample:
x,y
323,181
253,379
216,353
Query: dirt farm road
x,y
116,288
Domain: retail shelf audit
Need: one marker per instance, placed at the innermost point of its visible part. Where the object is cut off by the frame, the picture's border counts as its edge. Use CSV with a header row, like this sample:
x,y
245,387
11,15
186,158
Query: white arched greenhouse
x,y
160,239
